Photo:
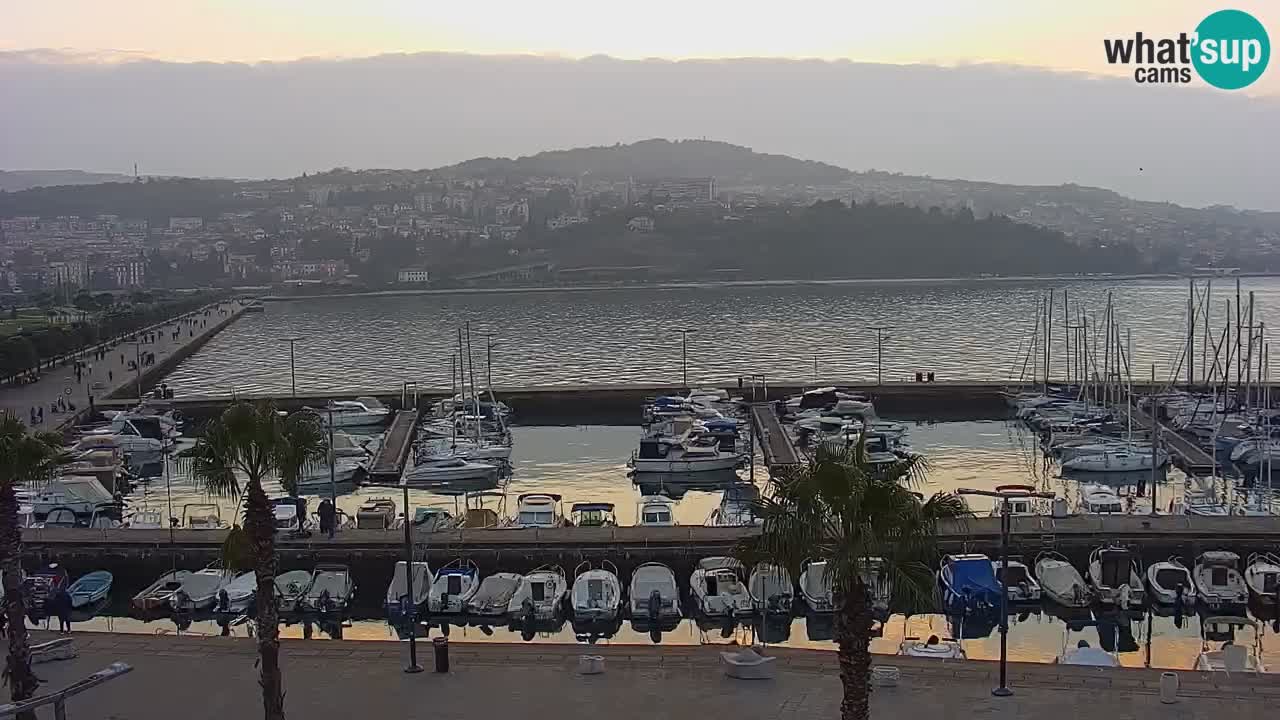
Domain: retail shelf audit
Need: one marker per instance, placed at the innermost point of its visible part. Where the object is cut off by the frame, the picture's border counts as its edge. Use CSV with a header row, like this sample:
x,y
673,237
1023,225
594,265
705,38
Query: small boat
x,y
454,585
1098,446
398,602
433,519
1021,584
654,596
145,520
237,595
493,597
450,468
968,584
199,591
344,445
1085,654
718,590
540,596
156,595
1115,576
1169,580
597,594
361,412
82,494
1231,657
1218,581
1100,500
684,454
376,514
1061,582
772,589
331,590
202,516
291,587
538,510
939,648
655,511
592,514
737,507
1262,575
89,589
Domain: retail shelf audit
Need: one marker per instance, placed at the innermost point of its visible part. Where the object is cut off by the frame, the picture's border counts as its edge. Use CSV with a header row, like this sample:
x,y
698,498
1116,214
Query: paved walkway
x,y
215,679
109,374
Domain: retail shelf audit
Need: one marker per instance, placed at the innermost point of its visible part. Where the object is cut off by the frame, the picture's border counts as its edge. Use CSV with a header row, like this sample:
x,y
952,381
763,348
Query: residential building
x,y
186,223
413,275
643,223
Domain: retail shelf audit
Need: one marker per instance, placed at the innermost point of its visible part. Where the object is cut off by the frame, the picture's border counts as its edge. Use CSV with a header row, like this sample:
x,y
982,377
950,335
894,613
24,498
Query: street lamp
x,y
293,382
880,340
413,666
684,356
1005,493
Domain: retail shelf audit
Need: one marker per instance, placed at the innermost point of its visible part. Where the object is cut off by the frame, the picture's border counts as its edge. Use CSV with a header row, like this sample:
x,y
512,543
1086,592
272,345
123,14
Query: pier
x,y
774,441
388,463
1187,455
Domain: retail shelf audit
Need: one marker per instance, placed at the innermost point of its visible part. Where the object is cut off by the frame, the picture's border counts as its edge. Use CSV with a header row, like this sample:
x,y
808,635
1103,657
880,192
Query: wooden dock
x,y
774,441
388,463
1184,453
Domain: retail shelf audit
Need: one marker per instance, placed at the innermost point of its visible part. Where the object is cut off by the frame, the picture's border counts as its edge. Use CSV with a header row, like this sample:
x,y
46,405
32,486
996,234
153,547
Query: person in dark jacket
x,y
327,514
60,605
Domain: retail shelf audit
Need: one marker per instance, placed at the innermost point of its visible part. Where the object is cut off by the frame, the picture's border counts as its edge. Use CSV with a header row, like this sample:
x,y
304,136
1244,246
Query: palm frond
x,y
302,446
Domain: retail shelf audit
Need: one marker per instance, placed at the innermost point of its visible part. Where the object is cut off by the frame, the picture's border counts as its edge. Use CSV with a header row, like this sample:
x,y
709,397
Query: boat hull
x,y
644,465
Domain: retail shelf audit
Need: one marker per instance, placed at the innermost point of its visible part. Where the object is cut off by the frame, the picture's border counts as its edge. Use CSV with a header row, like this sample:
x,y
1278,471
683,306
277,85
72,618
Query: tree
x,y
25,459
843,509
255,442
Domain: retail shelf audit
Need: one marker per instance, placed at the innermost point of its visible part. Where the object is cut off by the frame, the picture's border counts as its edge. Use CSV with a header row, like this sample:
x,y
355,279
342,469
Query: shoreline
x,y
714,284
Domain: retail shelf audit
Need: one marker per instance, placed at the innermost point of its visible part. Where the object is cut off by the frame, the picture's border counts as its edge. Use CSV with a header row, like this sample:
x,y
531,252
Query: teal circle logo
x,y
1231,49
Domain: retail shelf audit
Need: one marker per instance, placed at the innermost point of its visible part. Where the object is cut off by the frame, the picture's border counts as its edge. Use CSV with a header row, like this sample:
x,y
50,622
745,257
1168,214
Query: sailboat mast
x,y
1204,352
471,363
1191,332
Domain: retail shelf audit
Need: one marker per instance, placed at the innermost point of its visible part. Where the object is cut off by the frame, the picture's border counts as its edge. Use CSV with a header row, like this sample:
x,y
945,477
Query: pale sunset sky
x,y
1042,33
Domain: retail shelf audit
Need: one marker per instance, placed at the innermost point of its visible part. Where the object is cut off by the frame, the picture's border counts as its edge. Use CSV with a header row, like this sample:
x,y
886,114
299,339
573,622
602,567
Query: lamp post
x,y
684,356
880,340
413,666
1004,493
293,381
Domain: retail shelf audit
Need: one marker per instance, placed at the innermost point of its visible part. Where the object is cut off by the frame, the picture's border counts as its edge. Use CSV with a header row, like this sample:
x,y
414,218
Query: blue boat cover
x,y
668,400
721,423
975,579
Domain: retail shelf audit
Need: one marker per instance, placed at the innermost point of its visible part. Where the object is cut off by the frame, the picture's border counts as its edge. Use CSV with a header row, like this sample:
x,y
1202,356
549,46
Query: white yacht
x,y
1218,580
540,595
772,589
79,493
1061,582
717,588
539,510
361,412
683,454
1116,460
654,595
1101,500
1115,577
1169,579
1231,656
655,511
444,469
597,593
1098,446
1262,575
453,587
127,439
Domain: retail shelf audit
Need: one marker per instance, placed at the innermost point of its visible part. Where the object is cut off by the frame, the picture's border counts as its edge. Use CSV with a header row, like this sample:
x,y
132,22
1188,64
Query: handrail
x,y
59,699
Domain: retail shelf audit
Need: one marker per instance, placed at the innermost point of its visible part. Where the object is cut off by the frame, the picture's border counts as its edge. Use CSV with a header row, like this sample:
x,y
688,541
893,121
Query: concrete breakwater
x,y
153,375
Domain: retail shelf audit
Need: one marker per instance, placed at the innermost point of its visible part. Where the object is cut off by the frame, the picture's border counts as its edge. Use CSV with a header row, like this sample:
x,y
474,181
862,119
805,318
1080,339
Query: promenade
x,y
112,373
215,679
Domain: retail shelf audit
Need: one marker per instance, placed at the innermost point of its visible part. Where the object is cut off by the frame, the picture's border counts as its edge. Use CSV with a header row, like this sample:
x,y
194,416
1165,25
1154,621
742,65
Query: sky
x,y
1039,33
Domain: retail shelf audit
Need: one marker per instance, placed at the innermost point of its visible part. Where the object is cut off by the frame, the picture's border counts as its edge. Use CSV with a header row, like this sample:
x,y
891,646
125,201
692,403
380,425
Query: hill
x,y
658,158
15,180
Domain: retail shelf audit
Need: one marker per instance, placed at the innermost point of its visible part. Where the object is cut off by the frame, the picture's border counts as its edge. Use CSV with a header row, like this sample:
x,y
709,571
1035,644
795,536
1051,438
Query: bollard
x,y
441,645
1168,687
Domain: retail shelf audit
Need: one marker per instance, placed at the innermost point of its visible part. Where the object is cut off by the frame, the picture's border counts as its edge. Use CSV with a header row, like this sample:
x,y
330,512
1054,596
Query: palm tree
x,y
843,509
256,443
25,459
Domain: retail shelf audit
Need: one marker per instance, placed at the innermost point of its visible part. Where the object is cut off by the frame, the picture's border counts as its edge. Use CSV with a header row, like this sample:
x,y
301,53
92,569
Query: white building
x,y
413,275
186,223
643,223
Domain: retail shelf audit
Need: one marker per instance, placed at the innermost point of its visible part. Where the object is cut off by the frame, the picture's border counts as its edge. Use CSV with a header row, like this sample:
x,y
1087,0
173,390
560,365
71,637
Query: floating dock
x,y
774,441
1184,453
388,463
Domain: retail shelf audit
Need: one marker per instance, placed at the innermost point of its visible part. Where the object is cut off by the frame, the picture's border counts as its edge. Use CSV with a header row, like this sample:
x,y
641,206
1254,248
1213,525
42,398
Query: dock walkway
x,y
1184,453
774,441
388,463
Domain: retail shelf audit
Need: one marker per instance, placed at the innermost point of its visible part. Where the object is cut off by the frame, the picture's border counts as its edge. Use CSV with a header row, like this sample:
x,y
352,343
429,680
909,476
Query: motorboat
x,y
331,590
156,595
1170,583
321,478
79,493
597,594
1231,656
1021,584
433,519
939,648
1095,445
771,588
346,446
90,588
1061,582
376,514
654,596
493,597
1218,580
1101,500
199,591
398,603
1256,451
538,510
435,449
968,584
1115,576
361,412
1116,461
146,519
592,514
815,587
453,587
291,588
1085,654
40,585
202,516
1262,575
655,511
737,507
717,588
684,454
238,595
451,468
128,439
289,514
540,596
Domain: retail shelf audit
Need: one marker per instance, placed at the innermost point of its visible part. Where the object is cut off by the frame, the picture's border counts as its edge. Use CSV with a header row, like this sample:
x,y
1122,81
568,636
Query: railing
x,y
59,699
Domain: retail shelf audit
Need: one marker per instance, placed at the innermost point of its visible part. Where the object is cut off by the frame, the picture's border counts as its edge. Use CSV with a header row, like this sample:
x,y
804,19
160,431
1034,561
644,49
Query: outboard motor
x,y
1178,605
655,606
530,618
224,601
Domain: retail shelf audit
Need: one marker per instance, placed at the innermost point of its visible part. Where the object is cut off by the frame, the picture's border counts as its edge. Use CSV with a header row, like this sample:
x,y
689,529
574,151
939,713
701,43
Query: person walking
x,y
61,607
327,514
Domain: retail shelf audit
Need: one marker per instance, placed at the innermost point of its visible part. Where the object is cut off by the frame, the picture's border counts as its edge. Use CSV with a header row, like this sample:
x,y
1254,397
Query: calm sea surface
x,y
959,330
